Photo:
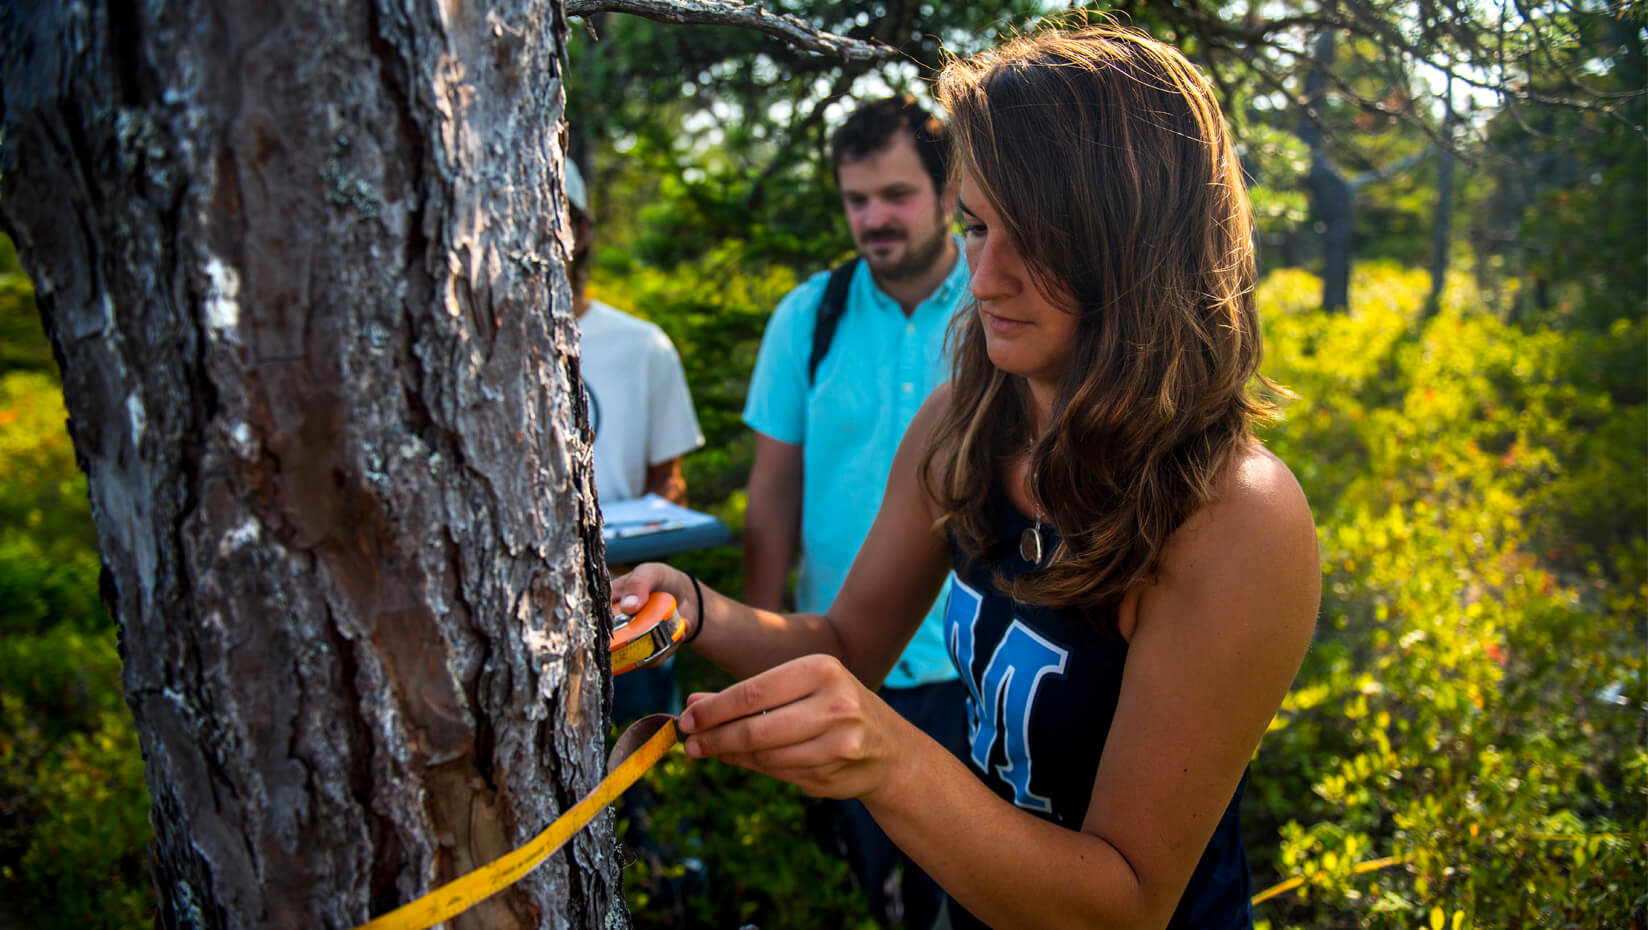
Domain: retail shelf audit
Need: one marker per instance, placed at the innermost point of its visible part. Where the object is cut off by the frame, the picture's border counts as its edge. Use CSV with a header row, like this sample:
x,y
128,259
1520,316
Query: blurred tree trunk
x,y
302,269
1442,229
1330,193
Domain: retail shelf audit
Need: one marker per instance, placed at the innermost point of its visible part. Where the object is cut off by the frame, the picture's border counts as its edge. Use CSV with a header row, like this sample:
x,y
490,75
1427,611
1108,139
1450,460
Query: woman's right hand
x,y
631,590
809,722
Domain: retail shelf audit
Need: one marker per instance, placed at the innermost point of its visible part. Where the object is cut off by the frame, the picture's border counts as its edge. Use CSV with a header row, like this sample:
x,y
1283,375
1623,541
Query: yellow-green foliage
x,y
74,825
48,557
73,847
746,837
1473,703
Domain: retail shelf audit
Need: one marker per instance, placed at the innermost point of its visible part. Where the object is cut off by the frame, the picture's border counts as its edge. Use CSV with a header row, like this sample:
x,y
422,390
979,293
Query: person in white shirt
x,y
639,405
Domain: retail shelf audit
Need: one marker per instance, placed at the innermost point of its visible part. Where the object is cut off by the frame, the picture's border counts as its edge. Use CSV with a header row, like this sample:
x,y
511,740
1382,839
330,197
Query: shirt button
x,y
908,387
911,328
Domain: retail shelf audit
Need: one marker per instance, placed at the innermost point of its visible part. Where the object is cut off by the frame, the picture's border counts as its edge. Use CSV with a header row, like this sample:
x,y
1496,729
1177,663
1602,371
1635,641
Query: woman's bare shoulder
x,y
1256,533
923,428
937,403
1256,492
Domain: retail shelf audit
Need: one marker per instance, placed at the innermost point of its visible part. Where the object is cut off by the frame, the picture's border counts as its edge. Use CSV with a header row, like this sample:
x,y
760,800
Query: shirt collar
x,y
944,298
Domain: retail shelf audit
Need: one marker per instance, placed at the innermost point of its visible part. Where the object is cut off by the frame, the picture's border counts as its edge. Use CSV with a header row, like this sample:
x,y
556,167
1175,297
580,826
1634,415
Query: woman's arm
x,y
1214,645
897,573
772,520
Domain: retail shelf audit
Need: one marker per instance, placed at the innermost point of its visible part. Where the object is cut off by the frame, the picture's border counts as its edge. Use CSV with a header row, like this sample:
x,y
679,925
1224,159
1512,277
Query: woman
x,y
1136,577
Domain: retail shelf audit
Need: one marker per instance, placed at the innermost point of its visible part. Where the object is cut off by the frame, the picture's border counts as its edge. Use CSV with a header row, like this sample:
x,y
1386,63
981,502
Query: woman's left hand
x,y
809,722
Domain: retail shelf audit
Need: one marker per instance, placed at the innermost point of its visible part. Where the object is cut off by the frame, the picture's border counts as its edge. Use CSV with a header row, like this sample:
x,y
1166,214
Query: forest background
x,y
1454,238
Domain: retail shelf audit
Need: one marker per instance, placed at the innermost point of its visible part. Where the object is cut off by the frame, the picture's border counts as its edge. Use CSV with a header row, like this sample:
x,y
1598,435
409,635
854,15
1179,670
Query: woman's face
x,y
1025,333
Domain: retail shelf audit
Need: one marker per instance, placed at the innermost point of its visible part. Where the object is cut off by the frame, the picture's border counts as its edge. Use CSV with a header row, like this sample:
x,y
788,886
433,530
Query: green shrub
x,y
74,828
48,556
23,344
749,834
1474,701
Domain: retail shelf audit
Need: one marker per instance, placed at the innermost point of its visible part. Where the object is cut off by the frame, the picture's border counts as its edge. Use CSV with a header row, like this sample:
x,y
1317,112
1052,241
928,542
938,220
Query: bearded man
x,y
841,372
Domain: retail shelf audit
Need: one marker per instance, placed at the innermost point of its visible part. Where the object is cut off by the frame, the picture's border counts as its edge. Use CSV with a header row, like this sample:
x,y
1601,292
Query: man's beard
x,y
916,262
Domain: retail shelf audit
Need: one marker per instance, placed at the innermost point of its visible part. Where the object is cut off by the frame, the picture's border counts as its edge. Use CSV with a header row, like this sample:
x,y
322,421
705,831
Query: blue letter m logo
x,y
1006,692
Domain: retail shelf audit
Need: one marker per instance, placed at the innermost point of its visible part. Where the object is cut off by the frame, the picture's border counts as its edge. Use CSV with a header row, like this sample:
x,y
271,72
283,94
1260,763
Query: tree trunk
x,y
1442,229
302,268
1330,194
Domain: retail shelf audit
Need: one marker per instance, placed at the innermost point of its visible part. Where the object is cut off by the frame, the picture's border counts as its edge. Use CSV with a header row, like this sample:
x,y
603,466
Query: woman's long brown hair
x,y
1106,157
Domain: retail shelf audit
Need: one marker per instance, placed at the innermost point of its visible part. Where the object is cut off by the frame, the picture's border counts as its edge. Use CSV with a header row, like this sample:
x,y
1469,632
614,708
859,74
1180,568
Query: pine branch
x,y
742,15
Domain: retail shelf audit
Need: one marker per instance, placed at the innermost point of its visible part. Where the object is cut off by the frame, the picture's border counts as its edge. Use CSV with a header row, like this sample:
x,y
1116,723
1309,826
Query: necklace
x,y
1030,547
1030,543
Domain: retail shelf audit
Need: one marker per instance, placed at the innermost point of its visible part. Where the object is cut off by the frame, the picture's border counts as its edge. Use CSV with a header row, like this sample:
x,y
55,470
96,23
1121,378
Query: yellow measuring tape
x,y
651,636
459,895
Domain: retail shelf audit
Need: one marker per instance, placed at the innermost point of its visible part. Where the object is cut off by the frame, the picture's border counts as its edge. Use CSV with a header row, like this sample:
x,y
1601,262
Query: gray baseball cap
x,y
577,195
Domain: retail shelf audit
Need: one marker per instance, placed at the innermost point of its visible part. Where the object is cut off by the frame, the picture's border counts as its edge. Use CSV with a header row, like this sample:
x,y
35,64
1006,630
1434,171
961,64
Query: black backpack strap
x,y
830,309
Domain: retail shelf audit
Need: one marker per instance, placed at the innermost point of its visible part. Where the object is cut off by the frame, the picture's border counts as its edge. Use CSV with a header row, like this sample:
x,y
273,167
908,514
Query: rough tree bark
x,y
302,267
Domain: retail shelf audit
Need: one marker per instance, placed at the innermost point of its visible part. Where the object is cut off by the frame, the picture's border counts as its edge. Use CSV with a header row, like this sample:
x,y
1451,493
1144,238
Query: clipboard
x,y
650,527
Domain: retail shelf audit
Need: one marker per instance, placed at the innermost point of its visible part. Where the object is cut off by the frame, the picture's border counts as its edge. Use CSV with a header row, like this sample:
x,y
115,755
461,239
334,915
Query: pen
x,y
646,529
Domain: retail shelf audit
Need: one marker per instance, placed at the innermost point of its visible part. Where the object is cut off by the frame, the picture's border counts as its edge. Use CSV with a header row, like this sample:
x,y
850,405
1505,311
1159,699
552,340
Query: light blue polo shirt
x,y
880,368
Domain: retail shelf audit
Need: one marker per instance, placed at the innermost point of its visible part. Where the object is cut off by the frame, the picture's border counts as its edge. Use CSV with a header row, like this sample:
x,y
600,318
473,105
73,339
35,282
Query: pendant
x,y
1030,545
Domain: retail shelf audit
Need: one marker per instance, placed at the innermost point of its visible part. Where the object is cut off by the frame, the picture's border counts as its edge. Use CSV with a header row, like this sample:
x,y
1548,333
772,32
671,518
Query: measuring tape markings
x,y
653,633
459,895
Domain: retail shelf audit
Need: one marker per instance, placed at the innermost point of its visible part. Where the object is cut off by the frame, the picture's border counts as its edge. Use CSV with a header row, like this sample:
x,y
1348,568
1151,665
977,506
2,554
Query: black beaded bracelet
x,y
699,628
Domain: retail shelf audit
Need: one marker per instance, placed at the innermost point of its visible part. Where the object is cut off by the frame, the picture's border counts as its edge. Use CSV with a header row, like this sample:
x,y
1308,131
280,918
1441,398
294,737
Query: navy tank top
x,y
1043,685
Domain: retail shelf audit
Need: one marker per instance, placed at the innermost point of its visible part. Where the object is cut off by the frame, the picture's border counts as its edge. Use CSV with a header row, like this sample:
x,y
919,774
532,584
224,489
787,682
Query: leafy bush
x,y
74,822
746,837
48,556
23,344
74,828
1474,703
